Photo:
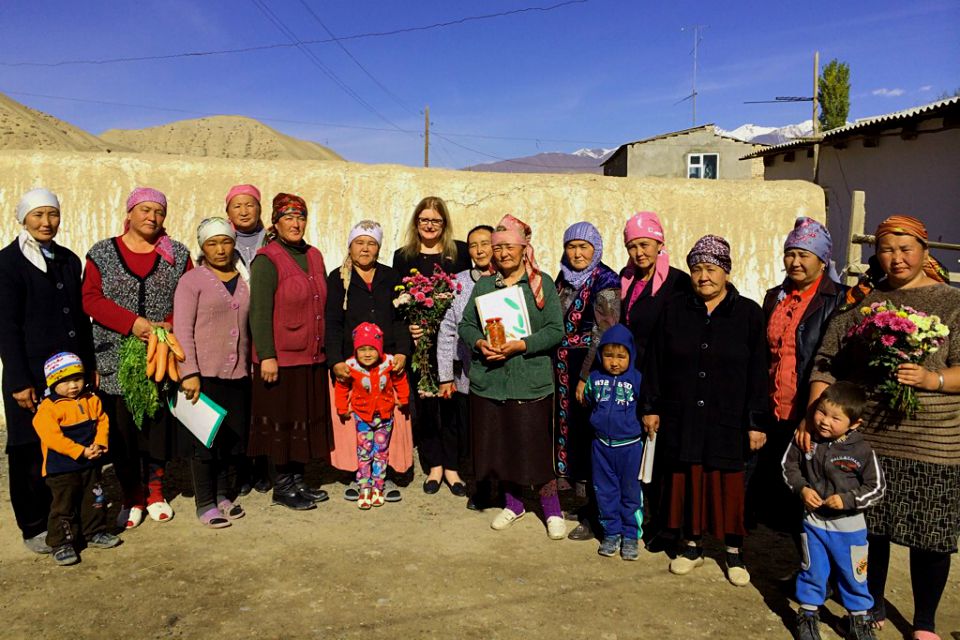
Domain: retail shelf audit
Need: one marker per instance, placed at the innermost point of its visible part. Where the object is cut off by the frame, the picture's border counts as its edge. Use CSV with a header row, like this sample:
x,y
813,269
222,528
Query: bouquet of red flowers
x,y
423,301
895,335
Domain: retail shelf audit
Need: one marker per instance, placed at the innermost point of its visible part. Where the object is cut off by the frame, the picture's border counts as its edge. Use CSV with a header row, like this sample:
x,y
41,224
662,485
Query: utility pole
x,y
426,136
816,120
696,43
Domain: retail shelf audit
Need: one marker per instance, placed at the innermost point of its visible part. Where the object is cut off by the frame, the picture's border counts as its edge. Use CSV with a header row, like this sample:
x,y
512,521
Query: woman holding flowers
x,y
430,244
362,290
511,384
901,343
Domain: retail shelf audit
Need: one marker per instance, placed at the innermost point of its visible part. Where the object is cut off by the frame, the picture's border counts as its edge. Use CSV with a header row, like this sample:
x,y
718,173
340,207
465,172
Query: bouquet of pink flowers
x,y
894,336
423,301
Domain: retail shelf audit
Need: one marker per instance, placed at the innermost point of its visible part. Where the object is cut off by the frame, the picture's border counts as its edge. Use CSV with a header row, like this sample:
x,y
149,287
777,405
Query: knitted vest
x,y
298,305
150,297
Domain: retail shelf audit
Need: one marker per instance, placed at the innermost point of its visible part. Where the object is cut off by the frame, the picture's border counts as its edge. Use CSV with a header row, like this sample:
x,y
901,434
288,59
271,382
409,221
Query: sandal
x,y
213,519
365,501
230,509
134,518
376,498
161,511
925,635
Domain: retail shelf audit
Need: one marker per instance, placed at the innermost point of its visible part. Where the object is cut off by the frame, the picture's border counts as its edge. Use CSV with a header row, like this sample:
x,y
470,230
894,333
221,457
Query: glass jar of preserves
x,y
496,333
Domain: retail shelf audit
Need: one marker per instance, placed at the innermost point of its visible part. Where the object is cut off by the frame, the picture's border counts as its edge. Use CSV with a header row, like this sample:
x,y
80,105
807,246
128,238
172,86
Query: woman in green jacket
x,y
511,386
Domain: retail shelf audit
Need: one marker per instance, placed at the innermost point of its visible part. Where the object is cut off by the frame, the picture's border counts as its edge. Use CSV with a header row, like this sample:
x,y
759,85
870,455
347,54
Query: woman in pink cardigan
x,y
211,309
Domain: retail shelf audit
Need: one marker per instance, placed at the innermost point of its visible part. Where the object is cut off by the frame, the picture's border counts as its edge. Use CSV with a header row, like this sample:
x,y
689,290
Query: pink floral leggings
x,y
373,451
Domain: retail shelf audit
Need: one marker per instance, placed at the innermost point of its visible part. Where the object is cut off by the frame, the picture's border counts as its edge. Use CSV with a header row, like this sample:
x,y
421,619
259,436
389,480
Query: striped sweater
x,y
934,434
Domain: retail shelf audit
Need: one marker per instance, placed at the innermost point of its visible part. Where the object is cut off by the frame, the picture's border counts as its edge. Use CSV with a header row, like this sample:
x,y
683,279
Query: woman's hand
x,y
811,499
801,437
447,389
416,331
399,361
757,440
513,347
142,328
651,424
191,388
269,370
341,371
27,399
488,352
916,376
579,392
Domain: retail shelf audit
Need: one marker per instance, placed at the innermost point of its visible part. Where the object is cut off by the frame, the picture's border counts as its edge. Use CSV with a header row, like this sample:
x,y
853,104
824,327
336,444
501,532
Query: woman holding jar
x,y
291,412
211,310
128,287
41,314
919,455
512,385
429,244
705,390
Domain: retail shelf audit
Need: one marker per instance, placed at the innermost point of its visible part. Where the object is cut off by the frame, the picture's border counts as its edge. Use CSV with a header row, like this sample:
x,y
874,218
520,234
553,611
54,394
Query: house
x,y
905,162
700,152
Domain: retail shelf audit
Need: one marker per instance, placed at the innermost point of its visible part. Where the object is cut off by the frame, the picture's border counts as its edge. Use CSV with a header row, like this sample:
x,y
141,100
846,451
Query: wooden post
x,y
858,217
426,136
816,121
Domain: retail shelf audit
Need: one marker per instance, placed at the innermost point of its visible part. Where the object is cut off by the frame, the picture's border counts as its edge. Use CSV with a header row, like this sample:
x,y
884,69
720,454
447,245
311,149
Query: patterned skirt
x,y
921,508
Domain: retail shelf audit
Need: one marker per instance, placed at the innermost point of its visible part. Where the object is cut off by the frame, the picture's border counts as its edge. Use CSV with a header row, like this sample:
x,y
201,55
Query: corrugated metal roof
x,y
711,127
854,128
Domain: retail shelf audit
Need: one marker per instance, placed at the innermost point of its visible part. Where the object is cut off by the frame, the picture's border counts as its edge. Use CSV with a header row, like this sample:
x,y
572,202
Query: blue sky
x,y
595,73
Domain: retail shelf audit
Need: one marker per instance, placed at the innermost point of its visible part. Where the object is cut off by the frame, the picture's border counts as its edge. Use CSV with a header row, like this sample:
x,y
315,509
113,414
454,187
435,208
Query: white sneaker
x,y
505,518
738,576
556,528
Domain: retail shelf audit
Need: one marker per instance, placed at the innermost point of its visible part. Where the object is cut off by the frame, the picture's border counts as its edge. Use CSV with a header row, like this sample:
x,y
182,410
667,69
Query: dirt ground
x,y
422,568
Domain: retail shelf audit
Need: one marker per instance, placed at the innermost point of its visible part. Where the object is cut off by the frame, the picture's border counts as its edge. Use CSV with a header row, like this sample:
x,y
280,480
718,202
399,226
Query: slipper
x,y
213,519
160,511
231,509
134,517
925,635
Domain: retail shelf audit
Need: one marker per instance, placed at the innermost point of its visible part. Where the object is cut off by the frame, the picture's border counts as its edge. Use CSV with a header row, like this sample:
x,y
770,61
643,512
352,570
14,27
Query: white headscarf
x,y
29,246
217,226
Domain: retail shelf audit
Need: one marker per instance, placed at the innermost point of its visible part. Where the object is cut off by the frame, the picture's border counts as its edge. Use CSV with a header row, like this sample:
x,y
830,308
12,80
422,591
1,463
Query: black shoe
x,y
860,628
262,486
430,487
472,504
458,489
314,495
244,489
583,531
292,500
808,625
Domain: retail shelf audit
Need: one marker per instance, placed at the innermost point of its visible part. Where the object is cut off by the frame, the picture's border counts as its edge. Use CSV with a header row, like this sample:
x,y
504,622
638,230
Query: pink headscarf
x,y
511,230
243,190
163,246
644,224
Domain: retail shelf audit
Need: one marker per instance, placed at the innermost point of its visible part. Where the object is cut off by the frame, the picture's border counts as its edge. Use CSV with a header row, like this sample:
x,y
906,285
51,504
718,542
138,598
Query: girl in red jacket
x,y
370,397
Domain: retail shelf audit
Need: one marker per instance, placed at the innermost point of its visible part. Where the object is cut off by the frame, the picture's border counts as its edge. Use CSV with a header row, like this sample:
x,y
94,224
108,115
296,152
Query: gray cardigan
x,y
453,356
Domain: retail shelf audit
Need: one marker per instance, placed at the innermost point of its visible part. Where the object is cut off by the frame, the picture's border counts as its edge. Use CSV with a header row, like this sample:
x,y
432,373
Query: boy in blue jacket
x,y
611,393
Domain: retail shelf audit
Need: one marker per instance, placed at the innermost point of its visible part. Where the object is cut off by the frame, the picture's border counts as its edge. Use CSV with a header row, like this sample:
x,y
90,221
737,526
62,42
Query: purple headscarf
x,y
810,235
163,245
712,250
588,233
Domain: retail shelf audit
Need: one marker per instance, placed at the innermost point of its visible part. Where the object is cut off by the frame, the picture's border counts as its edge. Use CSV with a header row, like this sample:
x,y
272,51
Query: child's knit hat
x,y
60,366
368,334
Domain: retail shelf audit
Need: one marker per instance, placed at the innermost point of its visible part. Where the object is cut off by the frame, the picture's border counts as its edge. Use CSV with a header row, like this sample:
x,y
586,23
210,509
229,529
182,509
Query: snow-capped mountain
x,y
770,135
598,154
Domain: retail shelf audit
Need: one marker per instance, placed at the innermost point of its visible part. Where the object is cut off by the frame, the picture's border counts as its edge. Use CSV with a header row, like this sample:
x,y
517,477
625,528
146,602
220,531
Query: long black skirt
x,y
513,439
291,417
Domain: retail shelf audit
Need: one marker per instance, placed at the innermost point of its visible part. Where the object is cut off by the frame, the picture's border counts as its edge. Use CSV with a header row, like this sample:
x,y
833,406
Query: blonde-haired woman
x,y
430,243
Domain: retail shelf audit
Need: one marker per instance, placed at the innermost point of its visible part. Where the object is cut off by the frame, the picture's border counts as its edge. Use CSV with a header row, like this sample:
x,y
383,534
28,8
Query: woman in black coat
x,y
705,396
362,290
41,314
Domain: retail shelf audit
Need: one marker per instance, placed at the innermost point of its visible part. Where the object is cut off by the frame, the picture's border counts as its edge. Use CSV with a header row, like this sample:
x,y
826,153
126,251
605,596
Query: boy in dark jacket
x,y
611,393
837,480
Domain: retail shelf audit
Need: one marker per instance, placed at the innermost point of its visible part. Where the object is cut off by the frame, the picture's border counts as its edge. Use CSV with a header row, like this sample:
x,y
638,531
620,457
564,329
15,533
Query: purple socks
x,y
549,503
513,503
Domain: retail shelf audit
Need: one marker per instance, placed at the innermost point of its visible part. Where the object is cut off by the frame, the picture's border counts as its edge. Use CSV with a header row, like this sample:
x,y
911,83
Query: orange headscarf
x,y
910,226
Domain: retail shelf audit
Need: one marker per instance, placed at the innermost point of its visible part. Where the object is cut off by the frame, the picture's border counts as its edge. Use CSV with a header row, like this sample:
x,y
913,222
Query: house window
x,y
703,165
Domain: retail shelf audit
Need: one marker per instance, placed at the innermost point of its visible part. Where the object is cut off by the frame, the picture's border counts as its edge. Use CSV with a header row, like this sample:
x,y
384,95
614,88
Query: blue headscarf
x,y
587,232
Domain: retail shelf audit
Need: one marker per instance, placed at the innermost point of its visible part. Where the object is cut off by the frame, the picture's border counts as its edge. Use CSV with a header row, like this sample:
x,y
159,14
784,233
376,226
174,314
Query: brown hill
x,y
220,137
24,128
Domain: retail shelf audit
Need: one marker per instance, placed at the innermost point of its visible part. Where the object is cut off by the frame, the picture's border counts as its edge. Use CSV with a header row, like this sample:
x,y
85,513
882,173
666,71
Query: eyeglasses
x,y
430,222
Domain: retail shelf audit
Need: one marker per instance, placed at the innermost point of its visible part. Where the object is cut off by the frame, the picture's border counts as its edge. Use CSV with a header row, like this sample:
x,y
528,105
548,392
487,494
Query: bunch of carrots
x,y
163,353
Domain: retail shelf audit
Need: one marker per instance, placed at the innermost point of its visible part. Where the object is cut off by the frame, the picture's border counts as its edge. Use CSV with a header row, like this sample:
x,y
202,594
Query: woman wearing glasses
x,y
288,285
430,243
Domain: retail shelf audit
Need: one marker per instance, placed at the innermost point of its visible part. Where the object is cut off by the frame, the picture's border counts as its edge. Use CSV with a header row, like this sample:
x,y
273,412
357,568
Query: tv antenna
x,y
696,46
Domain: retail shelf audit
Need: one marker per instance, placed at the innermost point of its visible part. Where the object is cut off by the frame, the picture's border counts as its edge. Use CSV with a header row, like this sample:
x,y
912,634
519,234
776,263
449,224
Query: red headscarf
x,y
512,230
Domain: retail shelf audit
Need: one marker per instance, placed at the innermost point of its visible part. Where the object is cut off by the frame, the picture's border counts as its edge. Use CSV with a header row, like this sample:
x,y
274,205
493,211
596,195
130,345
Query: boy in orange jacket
x,y
73,438
370,397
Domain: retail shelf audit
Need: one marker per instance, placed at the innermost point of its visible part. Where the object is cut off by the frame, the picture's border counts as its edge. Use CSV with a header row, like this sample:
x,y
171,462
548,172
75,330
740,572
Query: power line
x,y
266,47
277,22
315,123
390,93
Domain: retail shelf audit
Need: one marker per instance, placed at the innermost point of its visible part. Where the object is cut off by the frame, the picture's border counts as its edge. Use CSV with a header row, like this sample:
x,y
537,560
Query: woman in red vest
x,y
290,400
